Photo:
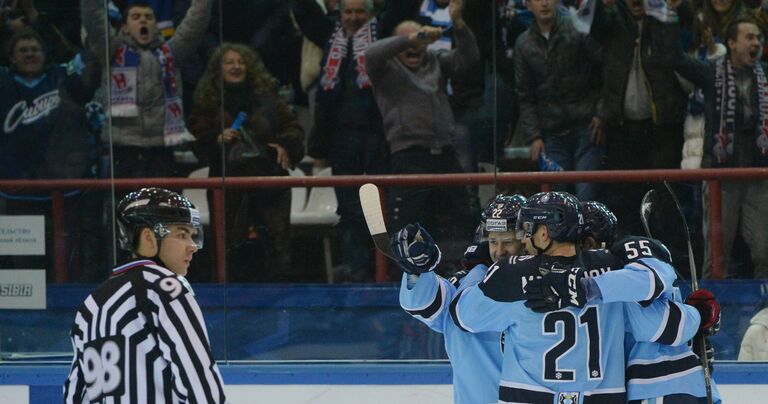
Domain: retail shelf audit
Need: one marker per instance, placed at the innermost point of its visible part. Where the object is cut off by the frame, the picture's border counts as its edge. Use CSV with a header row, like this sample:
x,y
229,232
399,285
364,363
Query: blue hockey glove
x,y
558,289
415,250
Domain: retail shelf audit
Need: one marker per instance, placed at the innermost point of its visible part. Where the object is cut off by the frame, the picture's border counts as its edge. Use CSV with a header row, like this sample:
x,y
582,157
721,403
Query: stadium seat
x,y
320,211
298,194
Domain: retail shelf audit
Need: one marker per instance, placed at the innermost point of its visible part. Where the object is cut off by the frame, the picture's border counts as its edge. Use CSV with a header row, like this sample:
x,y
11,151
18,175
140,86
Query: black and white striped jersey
x,y
140,337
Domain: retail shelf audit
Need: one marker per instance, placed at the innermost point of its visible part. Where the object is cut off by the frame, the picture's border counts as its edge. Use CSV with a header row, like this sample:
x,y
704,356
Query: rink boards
x,y
341,383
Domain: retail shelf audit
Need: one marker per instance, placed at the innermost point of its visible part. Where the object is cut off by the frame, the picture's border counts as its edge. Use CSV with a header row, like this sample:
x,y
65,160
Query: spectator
x,y
754,345
644,105
718,14
469,93
556,69
347,132
22,15
735,136
269,142
147,112
44,130
44,133
163,9
410,87
693,149
265,26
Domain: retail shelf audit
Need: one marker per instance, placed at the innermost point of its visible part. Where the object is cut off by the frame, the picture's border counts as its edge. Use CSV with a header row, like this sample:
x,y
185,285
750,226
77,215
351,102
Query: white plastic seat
x,y
321,206
198,196
320,211
298,194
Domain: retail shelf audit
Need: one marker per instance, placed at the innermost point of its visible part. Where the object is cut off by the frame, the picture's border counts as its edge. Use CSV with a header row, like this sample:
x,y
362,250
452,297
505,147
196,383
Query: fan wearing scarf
x,y
347,133
147,110
736,135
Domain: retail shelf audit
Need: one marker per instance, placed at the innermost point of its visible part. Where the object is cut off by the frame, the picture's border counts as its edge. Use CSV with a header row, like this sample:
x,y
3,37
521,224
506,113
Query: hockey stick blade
x,y
646,207
374,217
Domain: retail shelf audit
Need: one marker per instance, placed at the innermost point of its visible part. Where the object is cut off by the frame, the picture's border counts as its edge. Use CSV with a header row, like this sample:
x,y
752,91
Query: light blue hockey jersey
x,y
663,367
574,355
475,358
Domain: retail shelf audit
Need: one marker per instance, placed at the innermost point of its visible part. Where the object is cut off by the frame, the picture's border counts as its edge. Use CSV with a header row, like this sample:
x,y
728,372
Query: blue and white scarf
x,y
125,83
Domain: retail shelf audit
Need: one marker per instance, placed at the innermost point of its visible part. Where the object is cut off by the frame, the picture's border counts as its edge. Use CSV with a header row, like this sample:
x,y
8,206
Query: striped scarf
x,y
724,123
361,40
125,85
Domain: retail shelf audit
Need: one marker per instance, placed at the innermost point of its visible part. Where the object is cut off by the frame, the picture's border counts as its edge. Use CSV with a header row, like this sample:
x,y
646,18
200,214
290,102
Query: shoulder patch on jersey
x,y
172,285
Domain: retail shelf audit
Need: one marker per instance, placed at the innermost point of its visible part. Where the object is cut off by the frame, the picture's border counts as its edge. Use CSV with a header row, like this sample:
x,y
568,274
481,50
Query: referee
x,y
140,336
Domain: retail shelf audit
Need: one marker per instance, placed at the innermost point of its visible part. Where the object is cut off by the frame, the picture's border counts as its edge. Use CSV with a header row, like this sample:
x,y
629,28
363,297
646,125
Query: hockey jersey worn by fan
x,y
571,355
140,338
475,358
45,132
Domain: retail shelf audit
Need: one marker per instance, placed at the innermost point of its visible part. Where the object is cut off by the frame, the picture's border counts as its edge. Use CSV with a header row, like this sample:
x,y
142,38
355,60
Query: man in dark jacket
x,y
556,68
644,105
735,135
347,133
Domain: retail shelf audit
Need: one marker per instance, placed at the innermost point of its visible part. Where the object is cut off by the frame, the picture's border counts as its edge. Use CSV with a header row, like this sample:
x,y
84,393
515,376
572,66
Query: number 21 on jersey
x,y
588,318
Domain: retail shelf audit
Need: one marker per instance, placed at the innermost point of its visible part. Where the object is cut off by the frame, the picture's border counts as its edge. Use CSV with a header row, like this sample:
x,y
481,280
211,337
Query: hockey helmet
x,y
599,222
156,208
501,214
559,211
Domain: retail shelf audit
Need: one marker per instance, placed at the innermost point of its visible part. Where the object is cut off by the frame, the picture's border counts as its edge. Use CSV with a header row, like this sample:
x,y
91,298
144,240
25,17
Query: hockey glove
x,y
415,250
477,254
558,289
709,309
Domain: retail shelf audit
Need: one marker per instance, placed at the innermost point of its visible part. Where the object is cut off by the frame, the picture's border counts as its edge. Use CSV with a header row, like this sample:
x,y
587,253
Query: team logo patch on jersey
x,y
568,398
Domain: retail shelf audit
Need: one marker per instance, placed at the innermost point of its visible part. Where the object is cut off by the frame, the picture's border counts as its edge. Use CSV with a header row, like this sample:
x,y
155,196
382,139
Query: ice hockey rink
x,y
343,383
319,344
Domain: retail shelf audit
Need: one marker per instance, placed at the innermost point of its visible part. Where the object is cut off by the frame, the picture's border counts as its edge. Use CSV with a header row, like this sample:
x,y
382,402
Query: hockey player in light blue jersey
x,y
475,358
565,351
656,373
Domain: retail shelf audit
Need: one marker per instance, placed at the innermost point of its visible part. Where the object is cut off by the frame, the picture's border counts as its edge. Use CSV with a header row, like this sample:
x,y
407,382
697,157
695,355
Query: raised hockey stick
x,y
374,217
691,261
646,207
694,287
650,199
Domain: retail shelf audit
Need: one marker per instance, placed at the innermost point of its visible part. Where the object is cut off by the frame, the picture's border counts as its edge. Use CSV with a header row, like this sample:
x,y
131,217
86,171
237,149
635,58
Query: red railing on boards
x,y
218,185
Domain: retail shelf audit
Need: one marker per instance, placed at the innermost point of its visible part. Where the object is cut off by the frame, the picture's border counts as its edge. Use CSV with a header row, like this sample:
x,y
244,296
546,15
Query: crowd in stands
x,y
158,88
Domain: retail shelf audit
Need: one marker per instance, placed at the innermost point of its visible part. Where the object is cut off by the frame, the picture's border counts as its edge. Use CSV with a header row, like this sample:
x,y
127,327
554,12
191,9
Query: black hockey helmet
x,y
599,222
155,208
559,211
501,214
